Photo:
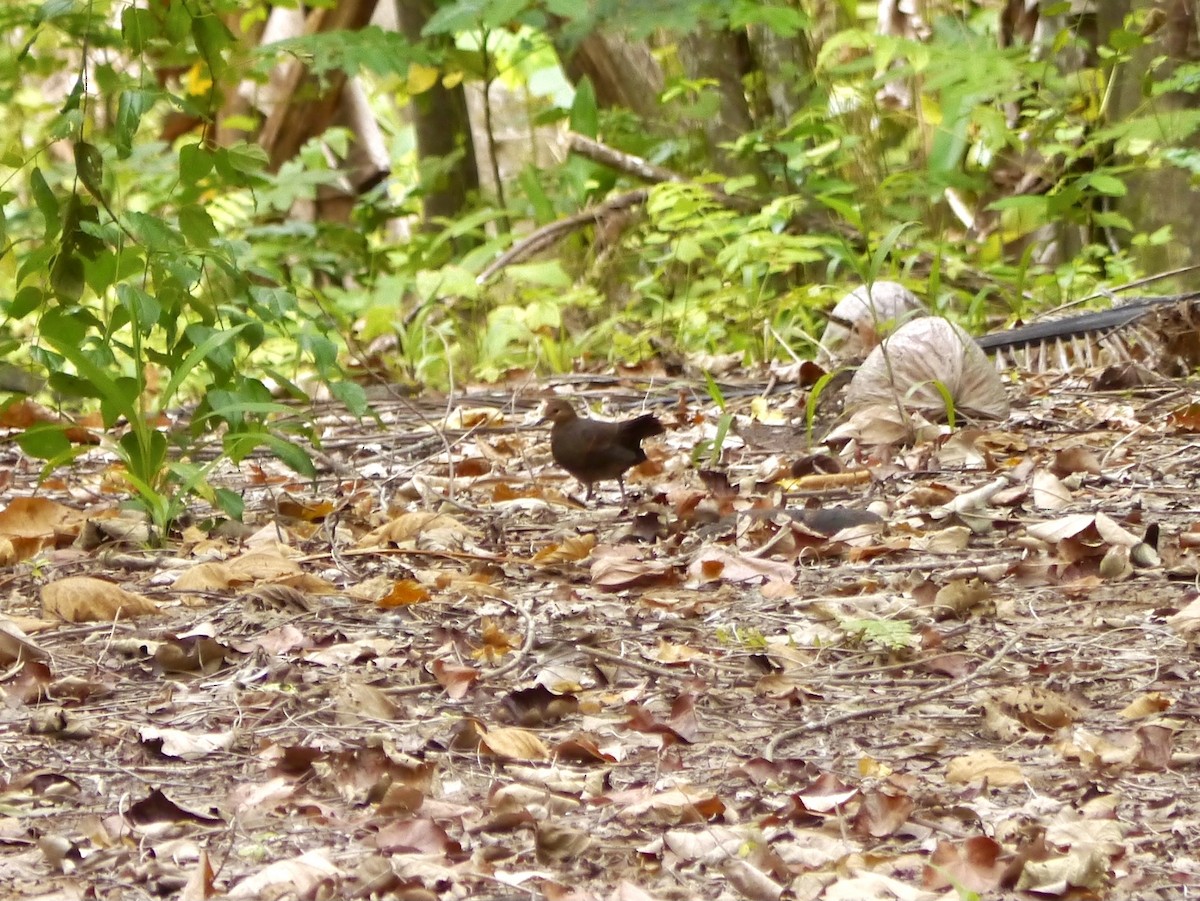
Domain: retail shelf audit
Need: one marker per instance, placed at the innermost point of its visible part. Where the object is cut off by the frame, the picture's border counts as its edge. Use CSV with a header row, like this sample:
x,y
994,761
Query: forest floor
x,y
961,666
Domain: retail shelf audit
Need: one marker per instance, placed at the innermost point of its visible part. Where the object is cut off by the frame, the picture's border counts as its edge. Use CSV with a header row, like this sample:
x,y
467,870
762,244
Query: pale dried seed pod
x,y
906,368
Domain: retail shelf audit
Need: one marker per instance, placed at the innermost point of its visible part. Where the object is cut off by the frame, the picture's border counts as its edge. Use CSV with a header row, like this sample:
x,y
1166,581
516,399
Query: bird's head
x,y
558,410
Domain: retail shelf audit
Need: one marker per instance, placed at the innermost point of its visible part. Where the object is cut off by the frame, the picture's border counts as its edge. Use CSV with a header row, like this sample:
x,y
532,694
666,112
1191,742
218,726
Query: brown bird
x,y
593,451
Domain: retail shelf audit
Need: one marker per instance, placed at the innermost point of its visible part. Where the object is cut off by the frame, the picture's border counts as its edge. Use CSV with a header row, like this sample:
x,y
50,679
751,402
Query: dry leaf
x,y
83,599
514,744
187,745
574,549
984,765
211,576
15,646
1147,705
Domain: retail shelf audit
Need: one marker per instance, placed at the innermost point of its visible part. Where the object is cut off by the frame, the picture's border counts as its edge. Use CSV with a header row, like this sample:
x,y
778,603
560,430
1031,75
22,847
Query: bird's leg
x,y
621,482
591,487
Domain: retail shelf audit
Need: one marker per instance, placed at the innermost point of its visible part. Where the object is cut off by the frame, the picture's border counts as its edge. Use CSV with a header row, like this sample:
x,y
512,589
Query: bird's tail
x,y
642,427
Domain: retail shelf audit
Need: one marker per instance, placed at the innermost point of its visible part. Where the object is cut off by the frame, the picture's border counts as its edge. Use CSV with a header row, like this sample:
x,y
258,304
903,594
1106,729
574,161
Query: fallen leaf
x,y
81,599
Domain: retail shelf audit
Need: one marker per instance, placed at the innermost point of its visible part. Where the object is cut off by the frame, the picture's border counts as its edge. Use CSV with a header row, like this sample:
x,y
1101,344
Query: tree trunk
x,y
1162,196
442,127
622,73
295,120
723,57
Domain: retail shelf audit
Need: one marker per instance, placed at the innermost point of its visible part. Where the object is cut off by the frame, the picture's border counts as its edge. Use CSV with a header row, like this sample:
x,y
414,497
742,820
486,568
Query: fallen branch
x,y
890,706
550,234
593,150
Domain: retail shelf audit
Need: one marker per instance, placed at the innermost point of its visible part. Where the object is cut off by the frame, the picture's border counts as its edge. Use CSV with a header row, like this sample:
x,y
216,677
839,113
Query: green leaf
x,y
46,202
231,503
543,206
36,262
144,310
145,454
239,445
200,353
462,15
549,274
45,442
89,163
66,277
26,301
154,233
498,13
211,37
273,303
585,111
65,334
1103,183
177,22
196,225
52,9
569,9
119,400
138,26
131,106
79,227
352,395
688,250
195,162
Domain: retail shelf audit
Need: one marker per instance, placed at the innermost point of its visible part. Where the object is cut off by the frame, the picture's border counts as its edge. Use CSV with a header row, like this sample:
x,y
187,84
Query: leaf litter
x,y
865,670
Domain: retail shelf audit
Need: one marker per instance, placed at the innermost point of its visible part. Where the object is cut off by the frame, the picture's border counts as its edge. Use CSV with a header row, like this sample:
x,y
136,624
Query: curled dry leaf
x,y
210,576
1033,707
1076,458
29,525
187,745
906,368
300,877
1084,868
572,550
267,564
82,599
432,531
15,646
512,743
403,593
621,567
464,418
554,842
973,865
357,701
1049,493
959,597
1187,621
716,563
984,765
1150,704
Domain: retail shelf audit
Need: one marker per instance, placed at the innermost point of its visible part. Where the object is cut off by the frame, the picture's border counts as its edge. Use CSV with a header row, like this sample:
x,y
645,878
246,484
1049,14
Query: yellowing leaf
x,y
572,550
761,410
496,642
421,78
403,593
197,82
